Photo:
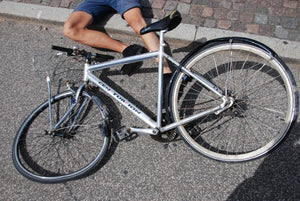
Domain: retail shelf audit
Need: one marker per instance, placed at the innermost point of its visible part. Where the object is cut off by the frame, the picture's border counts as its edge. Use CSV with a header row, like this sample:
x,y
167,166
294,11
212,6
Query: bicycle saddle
x,y
168,23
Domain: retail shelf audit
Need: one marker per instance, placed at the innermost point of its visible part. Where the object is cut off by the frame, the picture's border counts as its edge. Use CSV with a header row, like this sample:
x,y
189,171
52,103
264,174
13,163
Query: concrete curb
x,y
285,48
34,11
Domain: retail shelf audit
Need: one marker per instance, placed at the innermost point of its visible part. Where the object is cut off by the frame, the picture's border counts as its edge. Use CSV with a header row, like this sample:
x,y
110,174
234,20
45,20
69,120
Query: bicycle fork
x,y
49,101
73,103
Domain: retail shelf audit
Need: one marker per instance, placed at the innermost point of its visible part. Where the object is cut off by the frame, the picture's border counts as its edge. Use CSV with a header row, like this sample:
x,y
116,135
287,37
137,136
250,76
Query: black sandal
x,y
131,68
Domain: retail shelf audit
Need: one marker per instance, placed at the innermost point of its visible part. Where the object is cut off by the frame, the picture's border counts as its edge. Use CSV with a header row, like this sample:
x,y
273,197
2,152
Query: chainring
x,y
168,136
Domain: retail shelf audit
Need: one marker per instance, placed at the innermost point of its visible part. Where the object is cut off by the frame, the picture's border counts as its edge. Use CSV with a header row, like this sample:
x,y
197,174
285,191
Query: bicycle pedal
x,y
124,134
121,134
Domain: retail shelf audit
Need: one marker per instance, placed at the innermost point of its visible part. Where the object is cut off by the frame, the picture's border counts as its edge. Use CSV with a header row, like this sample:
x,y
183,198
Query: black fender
x,y
229,40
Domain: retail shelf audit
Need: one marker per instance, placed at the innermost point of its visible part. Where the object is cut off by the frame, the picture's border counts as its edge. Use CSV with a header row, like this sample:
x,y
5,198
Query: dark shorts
x,y
100,8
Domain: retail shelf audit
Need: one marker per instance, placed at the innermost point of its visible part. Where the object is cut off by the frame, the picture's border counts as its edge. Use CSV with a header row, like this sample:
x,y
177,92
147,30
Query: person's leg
x,y
75,28
85,14
135,19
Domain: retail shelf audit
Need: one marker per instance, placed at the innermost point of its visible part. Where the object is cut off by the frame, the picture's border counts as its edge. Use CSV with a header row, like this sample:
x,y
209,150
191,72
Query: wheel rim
x,y
235,50
38,165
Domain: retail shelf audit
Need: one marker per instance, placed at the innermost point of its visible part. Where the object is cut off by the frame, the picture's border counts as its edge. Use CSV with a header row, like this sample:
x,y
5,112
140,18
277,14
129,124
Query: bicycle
x,y
231,99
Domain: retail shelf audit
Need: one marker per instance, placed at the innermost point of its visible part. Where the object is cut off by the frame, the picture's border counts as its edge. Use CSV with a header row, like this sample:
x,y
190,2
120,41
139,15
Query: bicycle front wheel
x,y
265,101
68,152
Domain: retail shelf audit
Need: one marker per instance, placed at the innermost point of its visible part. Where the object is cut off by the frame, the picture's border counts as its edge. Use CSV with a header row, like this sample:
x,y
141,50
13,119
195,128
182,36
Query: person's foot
x,y
131,68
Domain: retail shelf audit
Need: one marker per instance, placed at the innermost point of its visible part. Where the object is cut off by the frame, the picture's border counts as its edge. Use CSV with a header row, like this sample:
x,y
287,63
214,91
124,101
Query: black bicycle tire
x,y
289,77
77,174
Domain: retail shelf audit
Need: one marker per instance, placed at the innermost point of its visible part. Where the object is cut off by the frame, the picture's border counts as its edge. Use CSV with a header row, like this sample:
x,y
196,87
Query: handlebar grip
x,y
69,51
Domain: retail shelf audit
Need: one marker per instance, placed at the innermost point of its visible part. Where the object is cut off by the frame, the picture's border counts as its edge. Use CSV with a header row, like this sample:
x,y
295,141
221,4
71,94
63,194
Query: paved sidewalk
x,y
273,22
274,18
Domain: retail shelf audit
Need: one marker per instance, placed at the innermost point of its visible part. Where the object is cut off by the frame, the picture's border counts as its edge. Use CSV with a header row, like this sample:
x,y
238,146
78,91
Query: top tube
x,y
125,60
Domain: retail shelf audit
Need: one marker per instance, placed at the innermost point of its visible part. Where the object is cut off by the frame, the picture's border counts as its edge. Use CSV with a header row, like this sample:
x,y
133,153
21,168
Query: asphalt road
x,y
141,169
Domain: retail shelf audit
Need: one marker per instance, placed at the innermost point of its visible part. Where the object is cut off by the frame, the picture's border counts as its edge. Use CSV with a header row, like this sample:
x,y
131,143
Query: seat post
x,y
160,78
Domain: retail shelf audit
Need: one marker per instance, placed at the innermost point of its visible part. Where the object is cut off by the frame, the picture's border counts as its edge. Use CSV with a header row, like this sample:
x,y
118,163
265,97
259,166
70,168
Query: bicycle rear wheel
x,y
71,150
265,101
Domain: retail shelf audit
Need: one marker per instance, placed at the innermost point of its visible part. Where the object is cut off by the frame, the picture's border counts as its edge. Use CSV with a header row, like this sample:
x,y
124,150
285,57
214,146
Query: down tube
x,y
123,101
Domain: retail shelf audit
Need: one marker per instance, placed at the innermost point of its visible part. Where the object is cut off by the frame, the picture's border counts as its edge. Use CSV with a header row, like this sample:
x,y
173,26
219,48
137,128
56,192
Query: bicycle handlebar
x,y
77,52
69,51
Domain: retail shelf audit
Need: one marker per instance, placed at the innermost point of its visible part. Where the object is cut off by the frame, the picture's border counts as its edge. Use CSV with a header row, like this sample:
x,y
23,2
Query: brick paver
x,y
275,18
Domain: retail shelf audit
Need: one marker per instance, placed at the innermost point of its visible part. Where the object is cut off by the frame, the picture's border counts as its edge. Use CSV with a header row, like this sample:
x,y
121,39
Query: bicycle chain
x,y
168,136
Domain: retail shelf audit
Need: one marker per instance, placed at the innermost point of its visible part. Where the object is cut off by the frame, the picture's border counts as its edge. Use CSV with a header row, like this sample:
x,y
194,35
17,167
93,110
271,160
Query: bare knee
x,y
70,31
77,22
135,19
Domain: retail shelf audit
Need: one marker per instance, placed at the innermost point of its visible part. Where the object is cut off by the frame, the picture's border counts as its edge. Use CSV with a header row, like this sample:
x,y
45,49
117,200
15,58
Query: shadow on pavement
x,y
281,165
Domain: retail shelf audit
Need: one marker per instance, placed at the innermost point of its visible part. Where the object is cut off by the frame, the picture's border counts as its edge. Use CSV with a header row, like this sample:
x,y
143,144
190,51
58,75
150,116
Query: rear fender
x,y
228,40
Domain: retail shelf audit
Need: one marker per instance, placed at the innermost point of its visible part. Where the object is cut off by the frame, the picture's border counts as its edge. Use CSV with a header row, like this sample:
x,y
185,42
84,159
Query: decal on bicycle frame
x,y
119,97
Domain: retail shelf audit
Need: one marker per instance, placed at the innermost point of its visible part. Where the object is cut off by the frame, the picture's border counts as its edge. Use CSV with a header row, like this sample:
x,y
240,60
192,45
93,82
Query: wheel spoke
x,y
262,102
67,152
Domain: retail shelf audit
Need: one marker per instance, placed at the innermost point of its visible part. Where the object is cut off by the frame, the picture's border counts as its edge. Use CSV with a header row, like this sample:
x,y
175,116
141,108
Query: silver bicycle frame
x,y
160,54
